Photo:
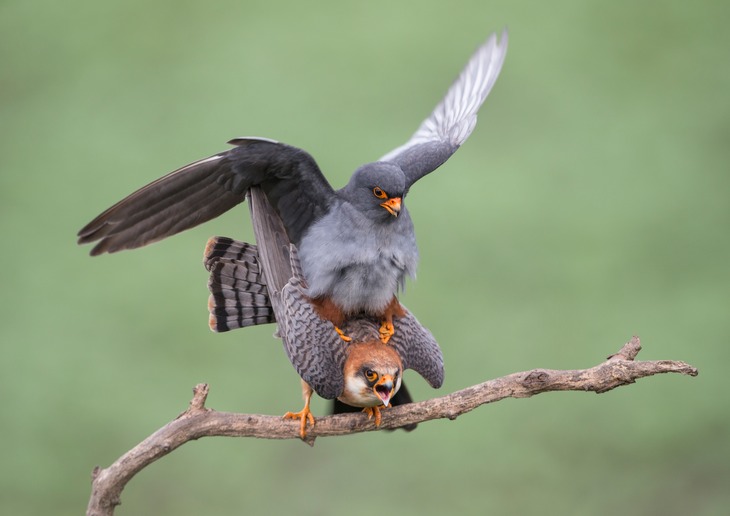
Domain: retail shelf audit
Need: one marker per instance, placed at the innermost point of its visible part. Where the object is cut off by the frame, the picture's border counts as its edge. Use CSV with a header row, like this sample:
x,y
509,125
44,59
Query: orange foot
x,y
394,309
386,331
374,411
305,414
342,334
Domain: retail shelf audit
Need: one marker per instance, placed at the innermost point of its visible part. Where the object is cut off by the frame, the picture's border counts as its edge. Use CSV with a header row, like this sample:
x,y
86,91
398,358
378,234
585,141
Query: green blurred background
x,y
591,203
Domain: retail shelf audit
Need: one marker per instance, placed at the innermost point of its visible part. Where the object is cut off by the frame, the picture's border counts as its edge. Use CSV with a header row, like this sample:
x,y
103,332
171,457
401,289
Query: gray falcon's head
x,y
377,189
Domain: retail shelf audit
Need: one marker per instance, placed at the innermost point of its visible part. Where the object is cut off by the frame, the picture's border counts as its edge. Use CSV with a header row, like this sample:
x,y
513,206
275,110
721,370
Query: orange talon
x,y
305,414
342,335
394,309
386,331
373,411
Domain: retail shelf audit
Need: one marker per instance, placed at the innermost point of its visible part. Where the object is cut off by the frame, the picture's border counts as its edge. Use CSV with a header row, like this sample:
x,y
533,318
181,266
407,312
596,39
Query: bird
x,y
356,244
362,374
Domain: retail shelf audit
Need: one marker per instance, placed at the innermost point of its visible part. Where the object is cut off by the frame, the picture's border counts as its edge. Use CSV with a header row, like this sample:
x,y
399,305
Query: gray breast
x,y
359,264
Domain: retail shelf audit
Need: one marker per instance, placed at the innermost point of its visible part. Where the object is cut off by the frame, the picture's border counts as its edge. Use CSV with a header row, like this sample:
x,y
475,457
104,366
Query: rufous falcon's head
x,y
373,374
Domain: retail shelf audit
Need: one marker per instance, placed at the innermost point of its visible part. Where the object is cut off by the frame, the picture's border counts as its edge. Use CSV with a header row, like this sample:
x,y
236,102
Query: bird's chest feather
x,y
359,265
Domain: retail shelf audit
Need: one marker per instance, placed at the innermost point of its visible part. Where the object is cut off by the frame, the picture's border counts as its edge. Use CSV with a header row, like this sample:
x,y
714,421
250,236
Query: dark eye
x,y
371,375
379,193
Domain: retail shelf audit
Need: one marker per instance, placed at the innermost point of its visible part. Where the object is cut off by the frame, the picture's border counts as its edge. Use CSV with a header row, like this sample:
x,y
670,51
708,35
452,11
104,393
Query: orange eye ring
x,y
371,375
379,193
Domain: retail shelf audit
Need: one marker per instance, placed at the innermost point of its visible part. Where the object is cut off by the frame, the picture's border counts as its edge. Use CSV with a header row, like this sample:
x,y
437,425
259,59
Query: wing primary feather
x,y
135,206
454,118
202,190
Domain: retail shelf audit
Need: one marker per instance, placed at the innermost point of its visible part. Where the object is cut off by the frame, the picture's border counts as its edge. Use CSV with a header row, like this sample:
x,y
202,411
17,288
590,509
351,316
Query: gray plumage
x,y
362,263
318,354
352,250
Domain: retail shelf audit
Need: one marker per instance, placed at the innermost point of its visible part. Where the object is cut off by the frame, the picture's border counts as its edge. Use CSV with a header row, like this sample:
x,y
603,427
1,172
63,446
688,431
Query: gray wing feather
x,y
455,117
311,343
205,189
419,350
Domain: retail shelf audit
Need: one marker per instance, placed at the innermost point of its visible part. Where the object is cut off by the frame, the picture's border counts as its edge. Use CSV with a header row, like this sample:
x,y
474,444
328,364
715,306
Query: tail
x,y
401,398
238,293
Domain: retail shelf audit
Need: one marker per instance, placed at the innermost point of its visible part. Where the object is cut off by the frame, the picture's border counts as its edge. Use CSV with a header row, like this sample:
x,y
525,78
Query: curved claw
x,y
342,335
373,411
305,414
386,331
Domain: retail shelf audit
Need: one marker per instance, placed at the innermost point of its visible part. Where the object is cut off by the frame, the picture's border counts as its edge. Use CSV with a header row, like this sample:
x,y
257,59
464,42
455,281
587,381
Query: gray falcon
x,y
356,244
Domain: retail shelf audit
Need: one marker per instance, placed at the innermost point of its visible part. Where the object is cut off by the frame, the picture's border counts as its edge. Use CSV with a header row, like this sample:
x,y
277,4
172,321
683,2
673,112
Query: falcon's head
x,y
377,189
373,374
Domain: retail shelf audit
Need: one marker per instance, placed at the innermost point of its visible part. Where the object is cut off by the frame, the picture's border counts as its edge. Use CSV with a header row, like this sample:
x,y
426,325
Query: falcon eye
x,y
379,193
371,375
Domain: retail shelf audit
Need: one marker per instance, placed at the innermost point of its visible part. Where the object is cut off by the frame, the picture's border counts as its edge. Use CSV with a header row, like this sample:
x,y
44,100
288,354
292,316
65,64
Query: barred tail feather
x,y
223,247
238,293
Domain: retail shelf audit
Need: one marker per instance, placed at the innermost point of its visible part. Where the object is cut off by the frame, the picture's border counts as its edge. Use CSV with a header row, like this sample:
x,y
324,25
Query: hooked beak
x,y
392,205
384,389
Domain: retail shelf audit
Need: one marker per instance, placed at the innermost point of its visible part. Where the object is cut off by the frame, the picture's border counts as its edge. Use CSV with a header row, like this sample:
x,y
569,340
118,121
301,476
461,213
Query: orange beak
x,y
392,205
384,389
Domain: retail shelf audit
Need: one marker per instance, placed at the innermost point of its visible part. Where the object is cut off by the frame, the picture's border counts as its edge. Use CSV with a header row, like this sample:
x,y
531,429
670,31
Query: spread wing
x,y
202,190
453,120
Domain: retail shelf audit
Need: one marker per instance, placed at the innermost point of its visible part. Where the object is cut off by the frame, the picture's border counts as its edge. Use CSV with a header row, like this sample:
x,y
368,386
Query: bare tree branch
x,y
198,421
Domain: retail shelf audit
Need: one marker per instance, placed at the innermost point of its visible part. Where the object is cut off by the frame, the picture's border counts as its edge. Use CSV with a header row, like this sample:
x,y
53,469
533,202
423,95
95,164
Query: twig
x,y
197,421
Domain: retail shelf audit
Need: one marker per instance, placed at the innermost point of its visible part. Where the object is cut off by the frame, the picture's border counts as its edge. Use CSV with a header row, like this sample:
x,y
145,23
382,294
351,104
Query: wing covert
x,y
311,343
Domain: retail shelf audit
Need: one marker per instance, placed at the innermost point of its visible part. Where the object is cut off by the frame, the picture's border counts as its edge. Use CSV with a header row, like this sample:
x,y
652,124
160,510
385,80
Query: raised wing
x,y
453,120
202,190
